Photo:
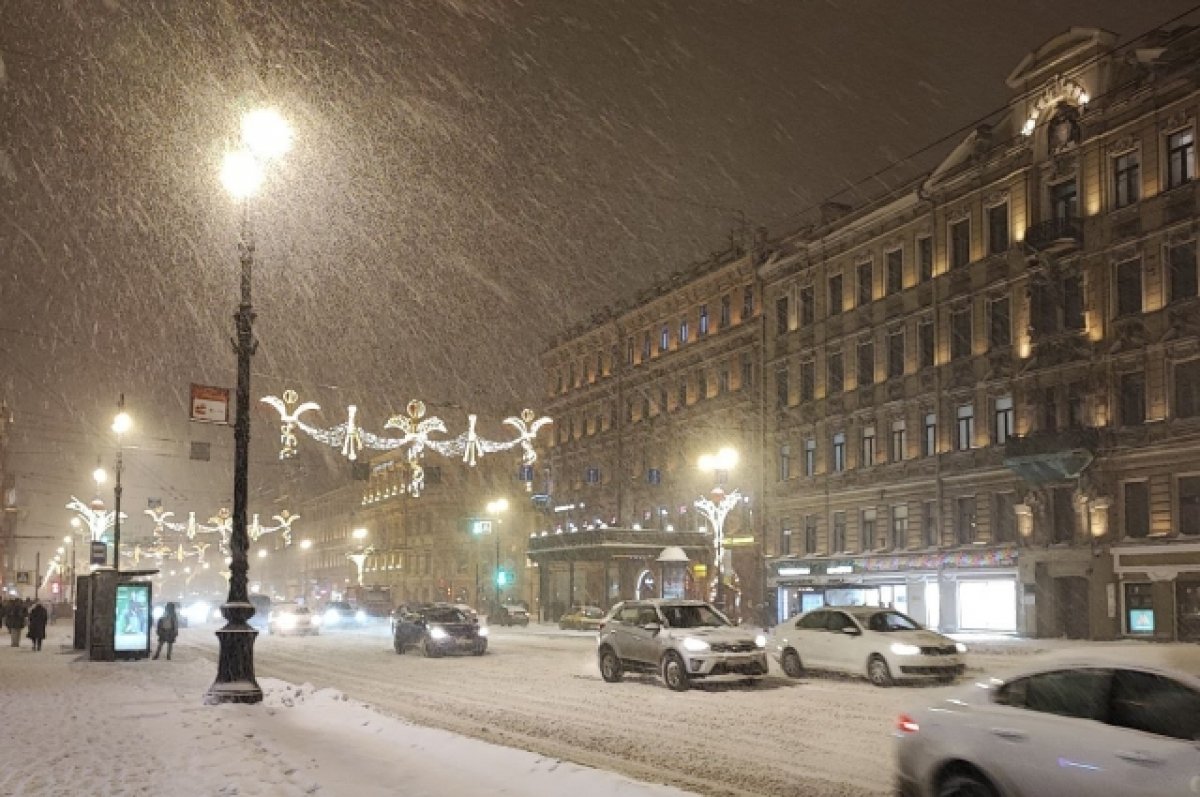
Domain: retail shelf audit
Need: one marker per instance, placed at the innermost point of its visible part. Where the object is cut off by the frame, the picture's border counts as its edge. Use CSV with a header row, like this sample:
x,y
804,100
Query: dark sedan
x,y
437,629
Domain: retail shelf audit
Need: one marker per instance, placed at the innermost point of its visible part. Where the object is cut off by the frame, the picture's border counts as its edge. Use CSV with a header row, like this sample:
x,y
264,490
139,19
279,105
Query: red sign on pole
x,y
210,404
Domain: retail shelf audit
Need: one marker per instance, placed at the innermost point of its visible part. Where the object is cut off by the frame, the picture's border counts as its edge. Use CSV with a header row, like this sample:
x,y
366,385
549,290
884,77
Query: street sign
x,y
99,555
210,404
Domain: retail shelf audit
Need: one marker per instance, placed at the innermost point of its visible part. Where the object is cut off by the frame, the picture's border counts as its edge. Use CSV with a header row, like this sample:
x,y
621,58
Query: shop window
x,y
1003,417
999,323
1132,399
808,380
965,523
925,259
810,534
987,605
899,526
1004,518
785,462
997,217
1187,610
1139,609
929,525
1181,158
1188,503
781,387
1126,179
895,271
781,315
964,438
867,529
1187,389
929,435
808,306
895,354
1152,703
865,289
835,294
866,364
839,452
810,457
839,533
960,243
836,377
868,446
925,344
1135,509
899,446
1181,260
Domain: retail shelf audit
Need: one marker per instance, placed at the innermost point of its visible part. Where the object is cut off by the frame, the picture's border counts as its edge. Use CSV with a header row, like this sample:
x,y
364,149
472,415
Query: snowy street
x,y
336,706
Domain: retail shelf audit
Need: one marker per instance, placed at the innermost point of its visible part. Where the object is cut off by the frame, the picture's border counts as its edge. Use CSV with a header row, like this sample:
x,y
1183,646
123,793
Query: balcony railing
x,y
1061,233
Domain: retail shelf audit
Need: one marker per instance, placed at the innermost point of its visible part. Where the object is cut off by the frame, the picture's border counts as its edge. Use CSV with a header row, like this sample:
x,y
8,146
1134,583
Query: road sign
x,y
99,555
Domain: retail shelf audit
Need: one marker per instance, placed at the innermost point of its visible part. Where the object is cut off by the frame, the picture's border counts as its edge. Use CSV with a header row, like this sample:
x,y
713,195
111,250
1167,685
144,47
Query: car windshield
x,y
593,612
341,607
450,615
693,616
892,621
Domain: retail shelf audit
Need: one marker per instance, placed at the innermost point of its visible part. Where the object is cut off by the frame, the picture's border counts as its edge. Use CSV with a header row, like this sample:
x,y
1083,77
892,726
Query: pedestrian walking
x,y
14,620
167,629
37,625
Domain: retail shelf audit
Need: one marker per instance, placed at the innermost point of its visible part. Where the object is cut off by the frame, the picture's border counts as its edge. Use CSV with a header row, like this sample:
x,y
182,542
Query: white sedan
x,y
1119,723
882,644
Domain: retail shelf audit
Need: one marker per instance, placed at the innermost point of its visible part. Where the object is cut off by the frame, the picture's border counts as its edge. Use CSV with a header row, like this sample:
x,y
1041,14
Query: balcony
x,y
1043,457
1055,235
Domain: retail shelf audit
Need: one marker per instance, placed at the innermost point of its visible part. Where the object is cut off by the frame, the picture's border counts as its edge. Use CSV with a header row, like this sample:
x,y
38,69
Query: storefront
x,y
1158,587
973,590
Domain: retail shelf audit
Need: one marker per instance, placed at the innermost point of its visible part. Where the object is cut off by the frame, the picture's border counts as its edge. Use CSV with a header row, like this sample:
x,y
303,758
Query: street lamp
x,y
70,541
305,545
495,509
359,556
265,136
121,424
717,507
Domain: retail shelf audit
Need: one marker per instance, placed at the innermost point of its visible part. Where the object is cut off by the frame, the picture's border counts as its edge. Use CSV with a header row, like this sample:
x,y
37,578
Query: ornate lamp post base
x,y
235,663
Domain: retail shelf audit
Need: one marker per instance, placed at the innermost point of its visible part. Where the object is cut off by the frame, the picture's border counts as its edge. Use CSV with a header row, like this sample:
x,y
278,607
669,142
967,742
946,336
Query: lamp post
x,y
359,556
120,425
76,523
495,509
716,508
305,545
265,135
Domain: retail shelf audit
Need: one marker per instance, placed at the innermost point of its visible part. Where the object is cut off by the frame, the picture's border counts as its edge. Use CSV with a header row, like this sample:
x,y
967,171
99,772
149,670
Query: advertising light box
x,y
132,622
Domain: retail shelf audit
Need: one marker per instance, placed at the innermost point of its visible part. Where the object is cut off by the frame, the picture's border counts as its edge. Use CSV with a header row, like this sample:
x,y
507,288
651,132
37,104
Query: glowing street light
x,y
717,507
100,476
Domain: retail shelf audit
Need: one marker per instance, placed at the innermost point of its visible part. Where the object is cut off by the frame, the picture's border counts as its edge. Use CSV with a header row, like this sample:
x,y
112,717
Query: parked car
x,y
510,614
292,618
582,618
882,644
436,629
680,640
1105,723
340,614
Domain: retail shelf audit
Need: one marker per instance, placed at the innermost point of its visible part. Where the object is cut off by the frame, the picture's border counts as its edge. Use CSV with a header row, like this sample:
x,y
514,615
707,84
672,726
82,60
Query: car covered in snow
x,y
437,629
1100,722
292,618
882,644
582,618
509,614
679,640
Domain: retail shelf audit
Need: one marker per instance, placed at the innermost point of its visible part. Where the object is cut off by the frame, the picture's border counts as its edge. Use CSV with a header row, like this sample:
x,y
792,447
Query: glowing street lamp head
x,y
122,423
100,475
76,523
241,174
359,533
266,133
306,544
725,459
497,506
262,553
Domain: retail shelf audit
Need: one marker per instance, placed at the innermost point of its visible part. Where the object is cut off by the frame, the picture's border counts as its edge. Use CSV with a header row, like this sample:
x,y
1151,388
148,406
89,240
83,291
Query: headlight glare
x,y
483,631
960,647
905,649
437,633
761,640
360,616
695,645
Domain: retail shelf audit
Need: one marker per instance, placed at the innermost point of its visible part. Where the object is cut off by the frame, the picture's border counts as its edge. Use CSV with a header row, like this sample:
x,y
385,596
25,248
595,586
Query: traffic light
x,y
502,578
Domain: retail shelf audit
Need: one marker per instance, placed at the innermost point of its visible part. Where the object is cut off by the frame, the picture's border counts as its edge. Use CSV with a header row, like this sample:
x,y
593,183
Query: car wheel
x,y
792,667
398,645
480,647
965,784
674,672
610,666
878,671
428,650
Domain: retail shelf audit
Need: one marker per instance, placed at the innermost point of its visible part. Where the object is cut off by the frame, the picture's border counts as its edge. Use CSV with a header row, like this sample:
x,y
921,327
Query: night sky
x,y
470,178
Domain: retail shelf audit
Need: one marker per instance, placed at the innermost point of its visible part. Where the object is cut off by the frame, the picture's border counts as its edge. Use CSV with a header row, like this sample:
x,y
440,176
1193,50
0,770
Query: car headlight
x,y
761,640
287,620
695,645
437,633
316,619
360,616
483,630
331,616
960,647
905,649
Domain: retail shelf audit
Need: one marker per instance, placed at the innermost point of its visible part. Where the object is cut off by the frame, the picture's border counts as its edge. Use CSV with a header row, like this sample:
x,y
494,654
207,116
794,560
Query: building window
x,y
895,270
781,315
1132,404
835,294
723,378
810,457
1003,417
785,538
838,544
1135,509
1004,517
781,387
1064,201
683,391
664,339
929,435
1126,179
1075,405
683,331
925,259
836,374
899,526
868,446
999,323
1043,308
808,380
930,537
1049,405
1182,259
703,328
960,334
701,384
1073,303
1187,389
1139,608
867,530
629,352
1189,504
960,243
1129,288
1181,158
808,306
997,217
747,302
925,344
810,533
899,446
866,364
866,291
839,452
646,347
747,370
726,311
895,357
964,520
965,429
785,462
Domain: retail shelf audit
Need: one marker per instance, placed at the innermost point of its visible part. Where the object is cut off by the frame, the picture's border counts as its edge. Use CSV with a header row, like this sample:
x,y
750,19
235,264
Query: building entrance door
x,y
1071,603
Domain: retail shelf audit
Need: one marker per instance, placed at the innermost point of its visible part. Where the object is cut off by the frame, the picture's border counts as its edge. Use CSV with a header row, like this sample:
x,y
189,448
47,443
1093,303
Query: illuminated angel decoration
x,y
527,426
289,417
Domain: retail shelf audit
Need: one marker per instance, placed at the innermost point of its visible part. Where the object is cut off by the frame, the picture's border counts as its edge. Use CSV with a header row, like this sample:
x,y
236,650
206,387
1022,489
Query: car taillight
x,y
601,627
906,724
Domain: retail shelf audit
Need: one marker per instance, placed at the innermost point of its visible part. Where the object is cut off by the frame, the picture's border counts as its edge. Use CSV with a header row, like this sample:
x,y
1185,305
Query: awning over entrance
x,y
599,545
1045,457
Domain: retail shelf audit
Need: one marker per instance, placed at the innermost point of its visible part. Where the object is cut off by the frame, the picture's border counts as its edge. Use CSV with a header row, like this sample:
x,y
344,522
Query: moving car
x,y
582,618
340,614
1108,723
882,644
262,612
292,618
510,614
680,640
436,629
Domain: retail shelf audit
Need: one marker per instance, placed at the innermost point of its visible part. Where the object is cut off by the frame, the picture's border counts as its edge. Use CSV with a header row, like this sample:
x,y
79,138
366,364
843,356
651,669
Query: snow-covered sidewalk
x,y
72,726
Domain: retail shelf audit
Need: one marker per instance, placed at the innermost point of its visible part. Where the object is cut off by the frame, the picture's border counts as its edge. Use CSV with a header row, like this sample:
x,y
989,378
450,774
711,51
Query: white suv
x,y
680,640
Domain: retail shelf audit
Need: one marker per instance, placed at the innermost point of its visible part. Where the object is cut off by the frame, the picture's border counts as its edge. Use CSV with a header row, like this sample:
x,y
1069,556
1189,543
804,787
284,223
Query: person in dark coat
x,y
14,620
37,625
167,629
